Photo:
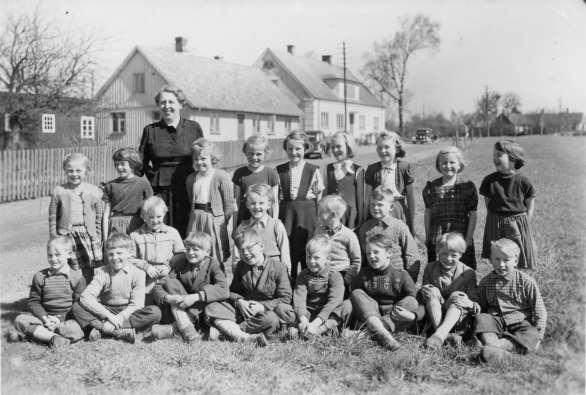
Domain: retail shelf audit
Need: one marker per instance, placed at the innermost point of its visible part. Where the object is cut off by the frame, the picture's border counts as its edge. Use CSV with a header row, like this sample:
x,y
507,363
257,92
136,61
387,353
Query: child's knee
x,y
71,330
285,313
174,286
24,321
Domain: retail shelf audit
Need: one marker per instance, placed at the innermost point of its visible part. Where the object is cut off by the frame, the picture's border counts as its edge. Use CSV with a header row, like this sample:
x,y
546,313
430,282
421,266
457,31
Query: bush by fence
x,y
28,174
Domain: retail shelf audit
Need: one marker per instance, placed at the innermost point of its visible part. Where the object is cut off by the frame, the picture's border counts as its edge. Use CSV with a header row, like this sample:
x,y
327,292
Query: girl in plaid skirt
x,y
76,210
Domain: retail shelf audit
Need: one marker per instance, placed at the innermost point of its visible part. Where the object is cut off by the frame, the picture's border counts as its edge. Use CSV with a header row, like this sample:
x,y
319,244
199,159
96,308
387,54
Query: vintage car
x,y
318,144
424,135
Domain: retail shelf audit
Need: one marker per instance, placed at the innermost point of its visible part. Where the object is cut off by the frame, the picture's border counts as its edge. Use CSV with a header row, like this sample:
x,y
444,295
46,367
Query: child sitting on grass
x,y
113,303
345,249
319,292
156,243
260,295
404,248
196,279
513,315
383,296
52,294
259,199
448,284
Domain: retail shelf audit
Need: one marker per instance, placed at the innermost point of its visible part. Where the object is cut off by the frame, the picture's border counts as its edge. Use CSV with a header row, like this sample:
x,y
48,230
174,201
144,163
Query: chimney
x,y
327,59
218,57
180,44
291,49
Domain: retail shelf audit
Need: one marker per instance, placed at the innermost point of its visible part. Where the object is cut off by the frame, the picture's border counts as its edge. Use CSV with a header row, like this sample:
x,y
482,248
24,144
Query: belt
x,y
207,207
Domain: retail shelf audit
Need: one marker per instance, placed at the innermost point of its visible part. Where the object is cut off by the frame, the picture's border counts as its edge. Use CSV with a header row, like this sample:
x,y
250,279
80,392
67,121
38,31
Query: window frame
x,y
340,121
48,123
214,123
138,83
90,132
118,122
324,120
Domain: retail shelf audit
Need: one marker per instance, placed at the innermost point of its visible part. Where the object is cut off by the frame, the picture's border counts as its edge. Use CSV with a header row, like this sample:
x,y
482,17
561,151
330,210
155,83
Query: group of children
x,y
359,262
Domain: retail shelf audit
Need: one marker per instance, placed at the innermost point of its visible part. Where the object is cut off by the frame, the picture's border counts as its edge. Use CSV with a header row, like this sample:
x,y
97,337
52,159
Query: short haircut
x,y
319,242
204,145
333,204
383,193
399,149
296,136
514,150
256,139
506,245
380,238
120,240
62,240
170,89
262,189
451,241
199,239
454,151
77,157
350,143
151,204
247,237
130,155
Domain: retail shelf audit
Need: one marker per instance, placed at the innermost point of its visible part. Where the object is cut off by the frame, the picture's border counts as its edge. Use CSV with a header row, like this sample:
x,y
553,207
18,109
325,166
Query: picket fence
x,y
29,174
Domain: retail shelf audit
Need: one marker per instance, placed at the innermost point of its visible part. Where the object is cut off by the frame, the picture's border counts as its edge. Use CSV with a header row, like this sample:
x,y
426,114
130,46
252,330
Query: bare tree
x,y
386,67
39,58
511,102
487,107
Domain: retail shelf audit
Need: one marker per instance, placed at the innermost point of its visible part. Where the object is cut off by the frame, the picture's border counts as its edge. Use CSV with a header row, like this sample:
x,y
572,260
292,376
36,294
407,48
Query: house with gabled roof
x,y
317,87
230,101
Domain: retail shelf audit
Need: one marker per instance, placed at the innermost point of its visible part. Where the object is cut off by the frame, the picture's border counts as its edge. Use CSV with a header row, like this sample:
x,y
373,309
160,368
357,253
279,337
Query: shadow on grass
x,y
11,309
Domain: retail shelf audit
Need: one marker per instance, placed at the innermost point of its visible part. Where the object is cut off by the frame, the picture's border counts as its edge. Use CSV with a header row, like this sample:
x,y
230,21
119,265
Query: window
x,y
361,122
340,121
375,124
324,120
118,122
256,125
156,115
288,124
214,124
7,127
271,124
138,83
87,127
48,123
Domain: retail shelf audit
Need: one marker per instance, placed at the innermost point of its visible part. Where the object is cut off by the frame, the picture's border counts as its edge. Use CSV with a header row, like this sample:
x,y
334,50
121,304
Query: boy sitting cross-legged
x,y
383,296
319,292
448,284
260,295
513,315
53,291
196,279
403,245
113,303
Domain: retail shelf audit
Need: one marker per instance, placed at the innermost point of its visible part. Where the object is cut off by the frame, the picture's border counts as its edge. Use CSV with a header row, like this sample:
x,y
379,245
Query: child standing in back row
x,y
510,202
123,196
255,148
76,210
301,189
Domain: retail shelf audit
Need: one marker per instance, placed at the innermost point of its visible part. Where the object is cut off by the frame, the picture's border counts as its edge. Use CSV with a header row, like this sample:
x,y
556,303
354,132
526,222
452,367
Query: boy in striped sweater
x,y
52,294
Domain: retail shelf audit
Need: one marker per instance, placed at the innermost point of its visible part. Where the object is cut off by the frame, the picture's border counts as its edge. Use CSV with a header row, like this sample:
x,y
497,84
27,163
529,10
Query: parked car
x,y
424,135
318,144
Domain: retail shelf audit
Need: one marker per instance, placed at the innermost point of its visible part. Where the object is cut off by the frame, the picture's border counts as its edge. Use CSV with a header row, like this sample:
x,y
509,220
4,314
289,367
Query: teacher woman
x,y
165,147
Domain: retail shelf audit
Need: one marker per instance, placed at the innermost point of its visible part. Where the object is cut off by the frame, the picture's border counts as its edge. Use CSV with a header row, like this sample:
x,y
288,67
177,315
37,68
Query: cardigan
x,y
60,210
221,191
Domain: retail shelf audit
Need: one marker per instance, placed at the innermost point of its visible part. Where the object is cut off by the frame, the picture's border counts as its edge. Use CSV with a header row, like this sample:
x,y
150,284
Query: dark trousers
x,y
195,312
365,306
141,319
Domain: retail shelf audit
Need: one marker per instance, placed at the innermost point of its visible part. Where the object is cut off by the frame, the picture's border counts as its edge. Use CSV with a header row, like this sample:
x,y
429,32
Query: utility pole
x,y
345,90
486,110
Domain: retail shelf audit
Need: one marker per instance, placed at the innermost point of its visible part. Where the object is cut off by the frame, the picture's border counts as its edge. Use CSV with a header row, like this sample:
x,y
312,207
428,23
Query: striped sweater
x,y
54,293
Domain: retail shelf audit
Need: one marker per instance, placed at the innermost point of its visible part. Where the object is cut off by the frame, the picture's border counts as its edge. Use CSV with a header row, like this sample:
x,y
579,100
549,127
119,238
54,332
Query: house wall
x,y
335,108
288,84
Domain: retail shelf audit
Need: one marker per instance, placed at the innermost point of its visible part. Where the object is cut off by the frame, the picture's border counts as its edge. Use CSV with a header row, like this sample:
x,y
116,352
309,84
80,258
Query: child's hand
x,y
163,270
173,300
303,324
462,301
51,322
255,307
426,291
188,301
313,326
243,307
116,320
402,315
152,271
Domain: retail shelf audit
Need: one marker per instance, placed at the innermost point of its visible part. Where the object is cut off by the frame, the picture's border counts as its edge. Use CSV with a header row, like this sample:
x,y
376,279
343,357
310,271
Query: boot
x,y
232,331
125,334
15,336
42,334
58,342
94,335
159,332
189,334
185,326
213,334
382,334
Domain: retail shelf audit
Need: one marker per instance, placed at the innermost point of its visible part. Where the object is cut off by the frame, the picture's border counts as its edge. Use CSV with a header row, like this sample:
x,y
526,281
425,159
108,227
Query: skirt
x,y
514,227
124,223
88,253
300,220
205,221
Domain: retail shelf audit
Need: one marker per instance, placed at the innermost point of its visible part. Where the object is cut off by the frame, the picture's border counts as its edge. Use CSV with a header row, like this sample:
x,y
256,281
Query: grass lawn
x,y
334,365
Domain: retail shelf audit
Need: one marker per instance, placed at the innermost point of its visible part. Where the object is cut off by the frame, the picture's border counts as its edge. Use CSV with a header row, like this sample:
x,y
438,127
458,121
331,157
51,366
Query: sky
x,y
535,48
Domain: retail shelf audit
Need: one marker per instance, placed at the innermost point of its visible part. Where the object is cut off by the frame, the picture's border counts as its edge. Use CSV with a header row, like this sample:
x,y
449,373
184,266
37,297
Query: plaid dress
x,y
450,207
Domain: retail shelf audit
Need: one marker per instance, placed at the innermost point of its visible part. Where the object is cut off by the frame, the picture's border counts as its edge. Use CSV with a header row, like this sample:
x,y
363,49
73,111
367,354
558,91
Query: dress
x,y
125,196
450,208
243,178
507,214
166,156
351,188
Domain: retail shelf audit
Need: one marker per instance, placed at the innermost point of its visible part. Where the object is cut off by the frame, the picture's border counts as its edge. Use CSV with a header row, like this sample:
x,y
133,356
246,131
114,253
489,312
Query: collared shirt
x,y
345,249
110,288
342,168
157,247
201,187
515,299
388,177
53,293
316,184
458,278
322,291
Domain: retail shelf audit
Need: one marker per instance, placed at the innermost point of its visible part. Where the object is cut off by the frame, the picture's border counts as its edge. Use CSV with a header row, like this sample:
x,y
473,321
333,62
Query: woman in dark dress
x,y
165,147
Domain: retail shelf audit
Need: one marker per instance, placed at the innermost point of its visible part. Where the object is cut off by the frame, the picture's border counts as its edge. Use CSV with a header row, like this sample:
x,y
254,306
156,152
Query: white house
x,y
318,89
229,101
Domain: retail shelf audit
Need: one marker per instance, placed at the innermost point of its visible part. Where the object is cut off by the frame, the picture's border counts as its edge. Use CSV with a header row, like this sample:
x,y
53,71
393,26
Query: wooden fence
x,y
29,174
